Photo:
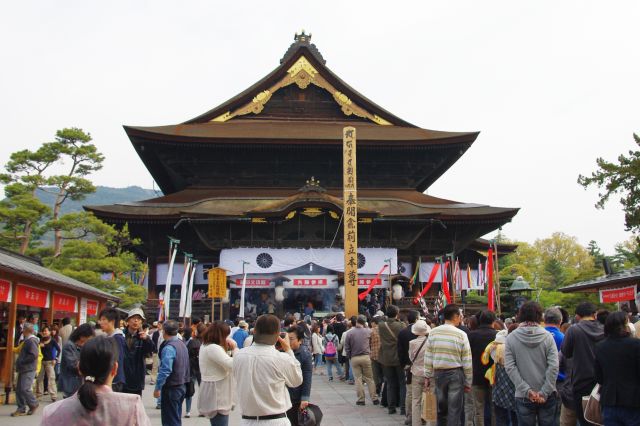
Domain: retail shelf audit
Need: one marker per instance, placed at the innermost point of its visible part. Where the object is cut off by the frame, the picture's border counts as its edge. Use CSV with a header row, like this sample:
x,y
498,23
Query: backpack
x,y
330,349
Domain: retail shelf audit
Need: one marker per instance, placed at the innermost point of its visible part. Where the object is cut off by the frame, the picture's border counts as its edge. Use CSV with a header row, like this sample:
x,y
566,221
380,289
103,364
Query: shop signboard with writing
x,y
64,302
614,295
5,291
31,296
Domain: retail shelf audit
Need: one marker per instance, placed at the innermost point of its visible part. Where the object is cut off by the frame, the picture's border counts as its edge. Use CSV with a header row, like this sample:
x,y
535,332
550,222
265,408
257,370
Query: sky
x,y
550,85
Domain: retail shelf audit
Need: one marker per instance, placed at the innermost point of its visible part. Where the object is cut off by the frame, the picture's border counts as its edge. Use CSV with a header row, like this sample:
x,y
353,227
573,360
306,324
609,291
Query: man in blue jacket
x,y
138,345
26,366
173,375
300,395
107,319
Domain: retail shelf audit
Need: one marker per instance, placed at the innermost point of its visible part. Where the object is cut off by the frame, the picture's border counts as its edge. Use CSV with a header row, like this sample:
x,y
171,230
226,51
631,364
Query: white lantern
x,y
341,289
397,292
225,299
279,293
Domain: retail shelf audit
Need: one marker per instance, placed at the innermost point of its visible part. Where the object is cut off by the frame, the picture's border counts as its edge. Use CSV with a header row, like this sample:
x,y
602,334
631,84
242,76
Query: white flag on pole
x,y
187,312
167,292
183,288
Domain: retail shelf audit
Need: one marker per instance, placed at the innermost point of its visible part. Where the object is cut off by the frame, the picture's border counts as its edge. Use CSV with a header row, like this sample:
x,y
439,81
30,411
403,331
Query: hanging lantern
x,y
397,292
225,299
279,293
341,290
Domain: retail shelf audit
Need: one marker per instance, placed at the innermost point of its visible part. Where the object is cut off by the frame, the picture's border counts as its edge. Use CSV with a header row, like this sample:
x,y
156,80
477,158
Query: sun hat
x,y
134,312
420,328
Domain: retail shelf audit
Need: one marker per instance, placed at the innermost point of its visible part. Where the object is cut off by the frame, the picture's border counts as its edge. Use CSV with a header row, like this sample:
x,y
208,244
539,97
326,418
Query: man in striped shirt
x,y
447,361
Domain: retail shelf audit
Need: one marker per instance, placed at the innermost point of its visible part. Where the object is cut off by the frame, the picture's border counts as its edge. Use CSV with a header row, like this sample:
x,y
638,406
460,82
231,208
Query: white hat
x,y
136,311
420,328
501,337
379,314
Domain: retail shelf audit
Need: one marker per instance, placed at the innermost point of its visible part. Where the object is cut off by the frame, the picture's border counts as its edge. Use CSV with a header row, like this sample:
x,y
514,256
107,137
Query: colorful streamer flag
x,y
173,250
161,306
423,306
372,284
480,282
445,283
469,279
490,295
441,302
183,285
432,277
187,311
416,273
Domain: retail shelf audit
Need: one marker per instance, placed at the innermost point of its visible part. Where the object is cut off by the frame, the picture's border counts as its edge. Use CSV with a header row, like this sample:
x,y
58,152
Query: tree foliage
x,y
621,178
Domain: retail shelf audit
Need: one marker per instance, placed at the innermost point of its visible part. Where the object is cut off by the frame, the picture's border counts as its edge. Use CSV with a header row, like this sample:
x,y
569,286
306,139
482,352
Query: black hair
x,y
586,309
530,312
330,328
110,314
186,334
66,321
288,320
392,311
353,320
83,330
602,315
340,317
616,325
450,311
486,317
195,320
97,358
299,330
412,316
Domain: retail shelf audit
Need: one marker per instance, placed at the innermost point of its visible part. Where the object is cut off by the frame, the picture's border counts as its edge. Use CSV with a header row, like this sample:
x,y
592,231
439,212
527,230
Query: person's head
x,y
27,329
330,329
288,321
170,329
45,331
107,319
200,329
21,319
54,330
361,320
98,365
498,325
267,329
186,334
451,313
296,337
486,317
412,316
80,335
530,312
66,321
420,328
616,325
135,318
353,320
553,317
585,310
392,311
195,321
216,333
472,322
564,327
339,317
601,316
243,325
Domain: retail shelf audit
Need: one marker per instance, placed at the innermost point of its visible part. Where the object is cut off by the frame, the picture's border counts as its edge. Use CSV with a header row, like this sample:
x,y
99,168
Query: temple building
x,y
255,185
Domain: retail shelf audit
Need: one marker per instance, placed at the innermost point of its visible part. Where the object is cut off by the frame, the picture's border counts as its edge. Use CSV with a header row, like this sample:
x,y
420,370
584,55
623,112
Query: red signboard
x,y
5,291
64,302
31,296
254,282
92,307
366,282
618,294
309,282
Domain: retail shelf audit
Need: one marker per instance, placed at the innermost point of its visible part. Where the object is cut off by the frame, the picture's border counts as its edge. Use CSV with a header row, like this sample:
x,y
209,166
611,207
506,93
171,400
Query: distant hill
x,y
103,195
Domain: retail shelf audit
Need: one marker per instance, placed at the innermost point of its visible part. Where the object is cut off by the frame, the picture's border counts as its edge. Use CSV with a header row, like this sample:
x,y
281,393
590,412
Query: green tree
x,y
627,254
621,178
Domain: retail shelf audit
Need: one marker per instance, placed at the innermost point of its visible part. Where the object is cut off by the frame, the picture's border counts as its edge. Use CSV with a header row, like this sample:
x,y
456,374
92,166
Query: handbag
x,y
591,407
408,376
429,406
310,416
191,388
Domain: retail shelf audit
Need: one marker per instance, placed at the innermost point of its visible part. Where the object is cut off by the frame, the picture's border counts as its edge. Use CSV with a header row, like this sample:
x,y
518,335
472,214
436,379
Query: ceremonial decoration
x,y
432,277
244,288
173,251
445,282
350,212
373,283
184,285
413,279
217,278
187,310
490,292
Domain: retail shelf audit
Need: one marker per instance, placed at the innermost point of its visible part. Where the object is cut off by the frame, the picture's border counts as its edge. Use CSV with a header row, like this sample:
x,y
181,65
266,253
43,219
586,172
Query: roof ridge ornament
x,y
302,39
312,185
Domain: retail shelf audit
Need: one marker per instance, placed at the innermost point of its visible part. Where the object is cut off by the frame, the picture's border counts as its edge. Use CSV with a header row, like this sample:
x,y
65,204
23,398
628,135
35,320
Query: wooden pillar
x,y
50,313
7,367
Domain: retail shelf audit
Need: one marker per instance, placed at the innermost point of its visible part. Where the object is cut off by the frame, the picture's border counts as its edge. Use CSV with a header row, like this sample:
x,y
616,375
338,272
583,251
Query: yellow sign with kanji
x,y
217,283
350,209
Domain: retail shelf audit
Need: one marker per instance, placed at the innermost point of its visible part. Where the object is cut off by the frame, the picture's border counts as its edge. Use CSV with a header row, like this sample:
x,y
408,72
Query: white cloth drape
x,y
183,289
168,283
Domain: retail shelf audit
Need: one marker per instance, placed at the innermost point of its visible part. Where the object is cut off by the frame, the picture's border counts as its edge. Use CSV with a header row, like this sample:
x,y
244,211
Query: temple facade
x,y
255,186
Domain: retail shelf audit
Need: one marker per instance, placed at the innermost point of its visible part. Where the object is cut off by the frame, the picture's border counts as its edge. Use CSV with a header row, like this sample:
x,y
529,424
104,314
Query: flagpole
x,y
244,285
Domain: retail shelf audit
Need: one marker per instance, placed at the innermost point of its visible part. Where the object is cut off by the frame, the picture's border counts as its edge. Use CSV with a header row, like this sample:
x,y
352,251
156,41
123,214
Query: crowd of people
x,y
533,369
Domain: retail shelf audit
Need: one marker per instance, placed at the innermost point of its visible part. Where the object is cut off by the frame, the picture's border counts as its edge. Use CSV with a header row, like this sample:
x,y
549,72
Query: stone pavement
x,y
336,399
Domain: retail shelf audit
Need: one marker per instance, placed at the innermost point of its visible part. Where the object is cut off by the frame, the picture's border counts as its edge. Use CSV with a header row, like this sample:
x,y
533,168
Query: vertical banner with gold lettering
x,y
350,198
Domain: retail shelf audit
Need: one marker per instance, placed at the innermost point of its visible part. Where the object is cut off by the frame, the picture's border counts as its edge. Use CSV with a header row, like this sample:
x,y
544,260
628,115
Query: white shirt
x,y
262,375
214,362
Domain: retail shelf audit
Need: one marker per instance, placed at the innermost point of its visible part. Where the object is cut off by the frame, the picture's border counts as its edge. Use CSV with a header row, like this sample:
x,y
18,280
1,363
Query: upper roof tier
x,y
289,125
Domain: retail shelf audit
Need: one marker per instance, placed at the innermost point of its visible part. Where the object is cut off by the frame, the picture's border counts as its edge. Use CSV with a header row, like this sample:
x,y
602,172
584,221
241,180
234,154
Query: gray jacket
x,y
28,357
531,361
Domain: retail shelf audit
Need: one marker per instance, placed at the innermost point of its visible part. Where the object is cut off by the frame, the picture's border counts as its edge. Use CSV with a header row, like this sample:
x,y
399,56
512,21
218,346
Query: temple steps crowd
x,y
534,369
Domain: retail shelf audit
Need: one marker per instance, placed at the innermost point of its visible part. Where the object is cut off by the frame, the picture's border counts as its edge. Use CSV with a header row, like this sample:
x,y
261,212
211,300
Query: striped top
x,y
448,347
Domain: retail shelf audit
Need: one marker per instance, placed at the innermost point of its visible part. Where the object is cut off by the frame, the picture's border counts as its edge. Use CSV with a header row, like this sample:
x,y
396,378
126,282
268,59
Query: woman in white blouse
x,y
217,391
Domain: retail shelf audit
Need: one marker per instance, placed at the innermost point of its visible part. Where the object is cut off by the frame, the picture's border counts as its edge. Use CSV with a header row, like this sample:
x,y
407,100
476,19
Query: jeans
x,y
532,414
24,391
171,404
318,360
620,416
361,366
450,396
396,390
219,420
378,376
333,362
505,417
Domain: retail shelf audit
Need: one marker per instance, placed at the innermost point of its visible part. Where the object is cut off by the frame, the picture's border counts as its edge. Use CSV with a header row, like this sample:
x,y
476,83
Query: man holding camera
x,y
263,373
139,345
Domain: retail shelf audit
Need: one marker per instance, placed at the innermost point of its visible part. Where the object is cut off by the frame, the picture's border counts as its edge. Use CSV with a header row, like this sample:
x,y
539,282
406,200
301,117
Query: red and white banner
x,y
92,307
5,291
618,294
253,283
31,296
64,302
